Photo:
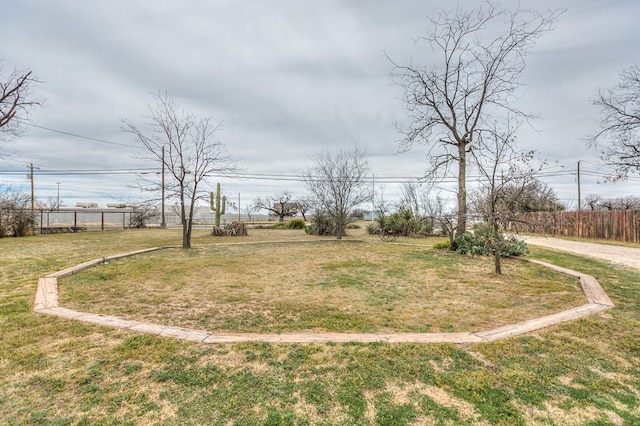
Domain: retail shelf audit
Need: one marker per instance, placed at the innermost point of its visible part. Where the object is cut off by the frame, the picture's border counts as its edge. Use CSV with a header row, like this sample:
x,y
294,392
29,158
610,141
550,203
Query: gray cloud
x,y
285,77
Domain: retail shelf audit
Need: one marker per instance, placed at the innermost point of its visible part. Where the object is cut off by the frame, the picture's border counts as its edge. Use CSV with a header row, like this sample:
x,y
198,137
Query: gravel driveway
x,y
619,255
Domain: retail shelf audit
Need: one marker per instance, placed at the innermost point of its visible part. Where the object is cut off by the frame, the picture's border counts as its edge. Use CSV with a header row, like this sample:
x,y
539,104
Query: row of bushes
x,y
481,241
402,223
290,224
321,225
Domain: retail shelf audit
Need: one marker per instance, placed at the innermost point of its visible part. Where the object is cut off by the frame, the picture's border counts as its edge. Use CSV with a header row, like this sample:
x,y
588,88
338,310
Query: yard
x,y
56,371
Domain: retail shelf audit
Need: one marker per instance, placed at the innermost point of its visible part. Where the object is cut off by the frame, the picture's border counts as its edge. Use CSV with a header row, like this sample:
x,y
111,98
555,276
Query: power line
x,y
79,136
45,172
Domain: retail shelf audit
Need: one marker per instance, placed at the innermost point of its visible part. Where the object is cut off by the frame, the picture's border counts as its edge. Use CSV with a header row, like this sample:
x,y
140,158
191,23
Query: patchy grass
x,y
55,371
321,286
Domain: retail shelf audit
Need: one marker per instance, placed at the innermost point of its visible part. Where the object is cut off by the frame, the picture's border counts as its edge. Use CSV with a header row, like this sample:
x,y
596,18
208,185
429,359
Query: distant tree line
x,y
596,202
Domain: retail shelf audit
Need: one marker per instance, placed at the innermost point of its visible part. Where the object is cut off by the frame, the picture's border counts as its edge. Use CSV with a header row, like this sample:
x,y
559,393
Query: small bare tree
x,y
143,214
619,135
52,204
305,205
249,210
339,183
481,57
505,176
412,198
16,216
187,146
593,201
279,204
16,101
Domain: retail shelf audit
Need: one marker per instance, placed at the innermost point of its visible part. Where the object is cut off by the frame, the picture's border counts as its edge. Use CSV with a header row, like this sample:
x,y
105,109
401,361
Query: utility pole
x,y
30,176
58,202
163,224
579,185
373,195
239,211
578,218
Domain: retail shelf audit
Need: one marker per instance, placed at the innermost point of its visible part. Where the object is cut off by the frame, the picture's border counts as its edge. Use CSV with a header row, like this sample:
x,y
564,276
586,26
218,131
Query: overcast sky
x,y
286,78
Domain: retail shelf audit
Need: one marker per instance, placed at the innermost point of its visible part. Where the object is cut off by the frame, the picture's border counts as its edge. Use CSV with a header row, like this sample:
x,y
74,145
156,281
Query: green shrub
x,y
481,242
322,225
443,245
402,222
296,224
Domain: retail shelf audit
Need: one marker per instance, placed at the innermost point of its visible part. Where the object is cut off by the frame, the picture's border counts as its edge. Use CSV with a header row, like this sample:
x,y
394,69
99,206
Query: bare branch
x,y
619,137
280,205
480,57
16,101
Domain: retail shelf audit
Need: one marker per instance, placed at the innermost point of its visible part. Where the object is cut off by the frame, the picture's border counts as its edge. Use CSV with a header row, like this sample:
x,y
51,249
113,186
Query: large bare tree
x,y
619,135
339,183
479,58
280,205
16,101
188,147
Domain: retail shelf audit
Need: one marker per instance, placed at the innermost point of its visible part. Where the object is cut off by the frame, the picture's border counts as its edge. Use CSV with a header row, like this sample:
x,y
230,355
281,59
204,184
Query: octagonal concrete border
x,y
46,302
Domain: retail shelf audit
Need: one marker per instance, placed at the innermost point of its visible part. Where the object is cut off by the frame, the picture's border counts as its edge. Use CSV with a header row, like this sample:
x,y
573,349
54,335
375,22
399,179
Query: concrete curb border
x,y
46,302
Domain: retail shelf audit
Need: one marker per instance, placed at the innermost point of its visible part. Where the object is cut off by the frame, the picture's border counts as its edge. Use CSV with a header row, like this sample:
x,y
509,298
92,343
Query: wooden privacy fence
x,y
618,225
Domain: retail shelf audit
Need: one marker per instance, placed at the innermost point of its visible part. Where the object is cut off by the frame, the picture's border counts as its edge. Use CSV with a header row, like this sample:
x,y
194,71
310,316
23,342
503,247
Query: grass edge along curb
x,y
46,302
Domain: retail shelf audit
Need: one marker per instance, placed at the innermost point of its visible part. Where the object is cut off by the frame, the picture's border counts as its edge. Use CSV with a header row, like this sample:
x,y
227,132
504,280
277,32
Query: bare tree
x,y
593,201
533,196
16,216
248,210
190,153
339,183
305,205
629,202
16,101
539,197
505,176
619,135
143,214
52,204
412,198
481,57
279,204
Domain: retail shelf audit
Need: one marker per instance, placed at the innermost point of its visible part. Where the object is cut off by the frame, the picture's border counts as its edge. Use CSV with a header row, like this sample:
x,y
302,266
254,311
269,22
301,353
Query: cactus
x,y
215,204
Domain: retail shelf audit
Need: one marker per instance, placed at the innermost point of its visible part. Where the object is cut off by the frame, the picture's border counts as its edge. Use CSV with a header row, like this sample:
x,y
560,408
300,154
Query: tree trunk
x,y
497,260
186,241
188,223
461,226
186,236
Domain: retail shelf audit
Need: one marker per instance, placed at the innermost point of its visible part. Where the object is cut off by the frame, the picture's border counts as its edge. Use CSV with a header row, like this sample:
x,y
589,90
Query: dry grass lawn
x,y
316,285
